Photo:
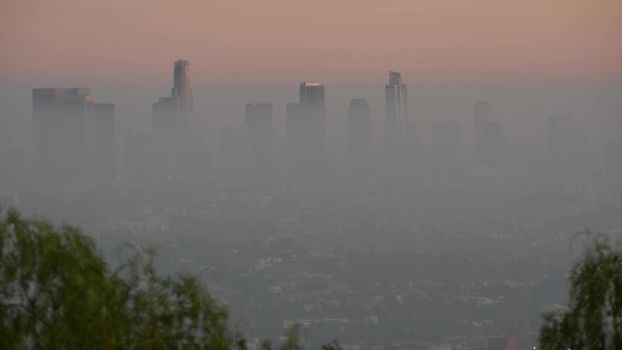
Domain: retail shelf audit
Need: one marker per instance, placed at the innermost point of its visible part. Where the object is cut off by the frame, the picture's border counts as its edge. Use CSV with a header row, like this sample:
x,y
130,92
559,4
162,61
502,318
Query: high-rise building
x,y
306,124
359,144
258,118
59,121
101,157
446,141
182,89
177,128
398,129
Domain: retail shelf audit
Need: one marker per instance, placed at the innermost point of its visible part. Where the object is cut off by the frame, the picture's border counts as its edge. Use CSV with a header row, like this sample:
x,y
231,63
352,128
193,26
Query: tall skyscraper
x,y
397,125
182,89
176,128
306,124
359,130
59,121
258,118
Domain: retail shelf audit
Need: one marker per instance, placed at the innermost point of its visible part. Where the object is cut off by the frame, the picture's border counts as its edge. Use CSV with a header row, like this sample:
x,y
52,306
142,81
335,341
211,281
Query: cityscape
x,y
392,210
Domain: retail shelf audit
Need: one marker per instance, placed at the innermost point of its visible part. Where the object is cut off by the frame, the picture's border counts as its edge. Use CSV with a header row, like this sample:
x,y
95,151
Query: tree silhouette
x,y
593,318
56,291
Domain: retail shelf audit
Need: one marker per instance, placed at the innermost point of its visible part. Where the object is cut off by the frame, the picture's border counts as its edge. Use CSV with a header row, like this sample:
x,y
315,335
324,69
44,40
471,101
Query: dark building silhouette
x,y
59,122
258,118
306,124
397,125
359,143
182,89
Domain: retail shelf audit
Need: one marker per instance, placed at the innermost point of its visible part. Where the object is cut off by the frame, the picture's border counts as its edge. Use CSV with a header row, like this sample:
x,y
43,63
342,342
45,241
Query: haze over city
x,y
391,174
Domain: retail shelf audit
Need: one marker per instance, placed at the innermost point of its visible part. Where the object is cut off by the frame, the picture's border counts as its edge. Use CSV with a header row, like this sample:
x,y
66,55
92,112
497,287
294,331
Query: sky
x,y
278,40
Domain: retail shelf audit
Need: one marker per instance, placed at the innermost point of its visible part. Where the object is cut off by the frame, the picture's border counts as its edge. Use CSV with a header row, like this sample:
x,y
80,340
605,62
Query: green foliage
x,y
56,291
593,319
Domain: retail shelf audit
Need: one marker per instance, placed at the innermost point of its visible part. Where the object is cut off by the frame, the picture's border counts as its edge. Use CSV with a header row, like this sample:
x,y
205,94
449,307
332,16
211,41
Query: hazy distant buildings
x,y
397,126
359,142
306,124
258,119
59,120
489,141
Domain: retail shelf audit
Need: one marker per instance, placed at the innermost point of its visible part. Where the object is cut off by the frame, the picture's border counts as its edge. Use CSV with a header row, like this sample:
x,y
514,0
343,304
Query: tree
x,y
593,317
56,291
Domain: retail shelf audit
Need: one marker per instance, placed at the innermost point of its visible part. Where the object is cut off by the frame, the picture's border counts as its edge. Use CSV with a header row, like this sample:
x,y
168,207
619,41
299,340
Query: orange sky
x,y
295,40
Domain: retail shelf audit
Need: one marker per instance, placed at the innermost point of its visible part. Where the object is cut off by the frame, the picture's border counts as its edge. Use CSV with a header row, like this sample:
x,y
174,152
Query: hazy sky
x,y
322,39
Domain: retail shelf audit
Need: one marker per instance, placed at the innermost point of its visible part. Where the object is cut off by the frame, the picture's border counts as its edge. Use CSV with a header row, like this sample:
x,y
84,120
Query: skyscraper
x,y
359,130
258,118
59,121
182,89
306,124
177,129
397,125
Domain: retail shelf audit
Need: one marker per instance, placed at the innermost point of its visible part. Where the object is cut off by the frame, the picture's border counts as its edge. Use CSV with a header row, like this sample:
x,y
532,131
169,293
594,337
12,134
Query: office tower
x,y
59,117
172,115
359,130
182,89
489,141
177,128
101,155
446,141
306,124
258,118
397,126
